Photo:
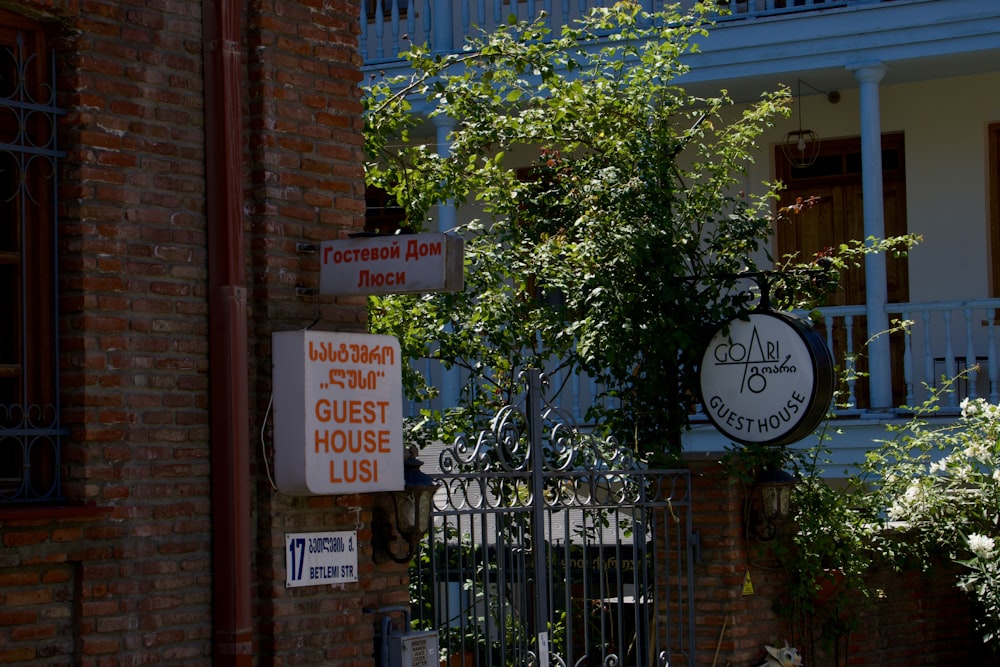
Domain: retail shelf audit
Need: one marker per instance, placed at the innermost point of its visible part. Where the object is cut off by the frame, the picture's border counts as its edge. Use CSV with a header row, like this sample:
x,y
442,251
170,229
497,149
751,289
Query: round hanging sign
x,y
766,379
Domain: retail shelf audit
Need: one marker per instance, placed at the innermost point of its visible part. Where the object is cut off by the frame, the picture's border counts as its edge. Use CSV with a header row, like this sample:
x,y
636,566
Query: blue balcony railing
x,y
388,27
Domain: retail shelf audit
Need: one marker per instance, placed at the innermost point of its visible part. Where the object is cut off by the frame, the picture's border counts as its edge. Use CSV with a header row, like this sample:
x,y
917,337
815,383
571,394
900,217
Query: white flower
x,y
962,472
978,451
981,545
981,408
910,504
991,411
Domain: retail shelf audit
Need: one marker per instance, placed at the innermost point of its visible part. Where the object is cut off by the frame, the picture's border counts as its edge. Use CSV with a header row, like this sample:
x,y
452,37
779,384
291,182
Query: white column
x,y
451,380
876,293
446,211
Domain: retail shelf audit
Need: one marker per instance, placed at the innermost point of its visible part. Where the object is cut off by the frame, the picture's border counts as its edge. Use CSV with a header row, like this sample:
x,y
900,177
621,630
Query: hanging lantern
x,y
801,147
412,507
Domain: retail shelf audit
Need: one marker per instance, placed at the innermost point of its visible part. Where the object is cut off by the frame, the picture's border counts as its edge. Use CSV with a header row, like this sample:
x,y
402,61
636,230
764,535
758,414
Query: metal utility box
x,y
413,649
399,648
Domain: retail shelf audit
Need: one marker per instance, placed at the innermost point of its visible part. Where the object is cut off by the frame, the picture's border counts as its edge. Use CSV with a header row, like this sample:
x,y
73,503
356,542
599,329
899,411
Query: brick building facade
x,y
199,146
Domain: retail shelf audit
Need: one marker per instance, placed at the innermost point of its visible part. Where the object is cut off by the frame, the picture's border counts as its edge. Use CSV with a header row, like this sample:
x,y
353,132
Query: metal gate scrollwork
x,y
550,546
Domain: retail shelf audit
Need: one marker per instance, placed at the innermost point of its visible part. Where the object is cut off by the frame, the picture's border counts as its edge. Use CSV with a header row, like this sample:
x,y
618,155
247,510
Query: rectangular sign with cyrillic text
x,y
401,264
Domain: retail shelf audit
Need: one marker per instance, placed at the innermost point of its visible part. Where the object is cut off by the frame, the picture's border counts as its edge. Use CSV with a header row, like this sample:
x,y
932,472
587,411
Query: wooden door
x,y
837,218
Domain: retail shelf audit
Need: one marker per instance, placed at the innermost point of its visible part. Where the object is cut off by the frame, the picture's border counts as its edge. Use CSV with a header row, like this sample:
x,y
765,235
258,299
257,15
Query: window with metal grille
x,y
30,428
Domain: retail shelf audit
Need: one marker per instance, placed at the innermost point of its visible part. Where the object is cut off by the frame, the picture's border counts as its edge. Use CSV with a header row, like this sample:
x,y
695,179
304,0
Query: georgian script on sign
x,y
337,413
766,378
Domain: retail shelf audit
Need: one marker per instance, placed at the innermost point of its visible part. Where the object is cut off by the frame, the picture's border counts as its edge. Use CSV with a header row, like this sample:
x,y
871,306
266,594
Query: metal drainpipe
x,y
232,637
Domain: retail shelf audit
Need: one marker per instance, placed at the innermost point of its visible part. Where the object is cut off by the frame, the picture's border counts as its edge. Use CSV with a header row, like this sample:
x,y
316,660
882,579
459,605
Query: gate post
x,y
533,410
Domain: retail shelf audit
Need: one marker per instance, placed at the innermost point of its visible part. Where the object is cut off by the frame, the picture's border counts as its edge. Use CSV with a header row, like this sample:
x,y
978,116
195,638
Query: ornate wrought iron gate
x,y
550,547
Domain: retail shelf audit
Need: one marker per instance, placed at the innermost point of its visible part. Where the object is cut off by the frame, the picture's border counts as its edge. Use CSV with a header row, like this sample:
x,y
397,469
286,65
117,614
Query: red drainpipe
x,y
232,637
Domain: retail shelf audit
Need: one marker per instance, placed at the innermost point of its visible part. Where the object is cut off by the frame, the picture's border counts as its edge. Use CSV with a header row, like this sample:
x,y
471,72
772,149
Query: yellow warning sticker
x,y
747,584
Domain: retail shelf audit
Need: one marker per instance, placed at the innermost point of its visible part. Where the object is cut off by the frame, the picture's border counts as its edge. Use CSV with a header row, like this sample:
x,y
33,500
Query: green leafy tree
x,y
615,253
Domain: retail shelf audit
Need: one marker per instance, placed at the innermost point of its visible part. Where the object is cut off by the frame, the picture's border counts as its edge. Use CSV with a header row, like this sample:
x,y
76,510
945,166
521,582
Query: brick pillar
x,y
731,627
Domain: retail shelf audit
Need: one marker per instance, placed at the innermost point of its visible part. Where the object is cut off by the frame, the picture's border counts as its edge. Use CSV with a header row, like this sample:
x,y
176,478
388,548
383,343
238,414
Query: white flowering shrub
x,y
942,486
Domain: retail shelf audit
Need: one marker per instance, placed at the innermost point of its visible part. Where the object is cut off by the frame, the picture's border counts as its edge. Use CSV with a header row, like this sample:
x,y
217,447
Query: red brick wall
x,y
306,181
129,580
728,624
133,335
916,620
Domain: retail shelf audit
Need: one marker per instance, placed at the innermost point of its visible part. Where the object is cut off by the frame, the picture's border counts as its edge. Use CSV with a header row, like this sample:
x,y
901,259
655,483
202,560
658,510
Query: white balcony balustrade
x,y
950,344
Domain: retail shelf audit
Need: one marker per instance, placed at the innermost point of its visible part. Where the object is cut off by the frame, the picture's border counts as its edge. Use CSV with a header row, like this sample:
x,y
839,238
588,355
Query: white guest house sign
x,y
766,379
338,415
